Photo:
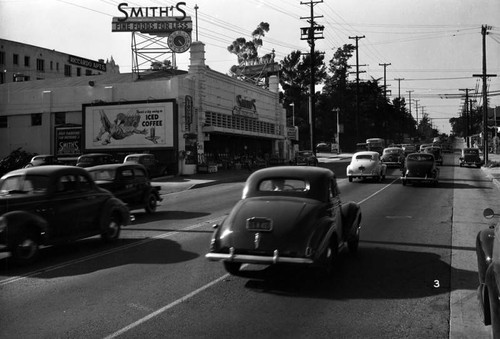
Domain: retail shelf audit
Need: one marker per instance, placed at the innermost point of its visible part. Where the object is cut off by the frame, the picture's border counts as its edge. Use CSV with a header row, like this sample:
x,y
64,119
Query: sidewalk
x,y
172,184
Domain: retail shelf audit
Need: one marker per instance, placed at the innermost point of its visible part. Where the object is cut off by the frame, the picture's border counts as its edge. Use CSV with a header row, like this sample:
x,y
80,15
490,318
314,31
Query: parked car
x,y
323,147
366,164
393,157
470,157
420,168
43,160
488,260
436,151
305,158
423,146
94,159
46,205
128,182
154,167
287,215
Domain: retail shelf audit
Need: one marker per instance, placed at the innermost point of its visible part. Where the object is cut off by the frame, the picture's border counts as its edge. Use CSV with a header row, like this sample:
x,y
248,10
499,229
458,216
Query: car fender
x,y
320,238
111,206
484,251
351,219
20,221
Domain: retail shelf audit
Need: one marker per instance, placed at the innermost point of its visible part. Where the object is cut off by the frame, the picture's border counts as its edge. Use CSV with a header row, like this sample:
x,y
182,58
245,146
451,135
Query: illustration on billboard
x,y
129,126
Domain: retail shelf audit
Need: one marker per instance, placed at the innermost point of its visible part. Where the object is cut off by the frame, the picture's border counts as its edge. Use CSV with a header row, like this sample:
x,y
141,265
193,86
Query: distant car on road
x,y
43,160
323,147
305,158
436,151
94,159
393,157
366,164
470,157
154,167
129,182
47,205
420,168
287,215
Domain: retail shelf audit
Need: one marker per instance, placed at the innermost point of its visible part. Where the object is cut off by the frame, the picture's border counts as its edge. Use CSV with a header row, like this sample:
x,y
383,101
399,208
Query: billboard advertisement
x,y
141,125
68,141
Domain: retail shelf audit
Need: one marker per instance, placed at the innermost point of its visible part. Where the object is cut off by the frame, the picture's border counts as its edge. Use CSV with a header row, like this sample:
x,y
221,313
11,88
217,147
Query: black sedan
x,y
46,205
488,259
287,215
129,182
420,168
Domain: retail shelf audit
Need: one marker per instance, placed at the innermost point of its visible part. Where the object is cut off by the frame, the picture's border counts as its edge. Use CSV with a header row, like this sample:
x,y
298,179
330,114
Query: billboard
x,y
138,125
68,141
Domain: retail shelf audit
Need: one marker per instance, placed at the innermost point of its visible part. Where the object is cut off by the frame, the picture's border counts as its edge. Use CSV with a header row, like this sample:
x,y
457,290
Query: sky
x,y
433,47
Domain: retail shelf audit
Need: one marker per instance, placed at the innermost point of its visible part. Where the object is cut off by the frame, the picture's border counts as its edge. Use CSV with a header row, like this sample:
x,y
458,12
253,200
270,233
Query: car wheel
x,y
150,203
403,182
110,226
350,179
232,267
25,248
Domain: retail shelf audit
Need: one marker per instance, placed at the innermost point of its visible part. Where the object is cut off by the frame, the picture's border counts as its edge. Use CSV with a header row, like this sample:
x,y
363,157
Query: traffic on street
x,y
414,274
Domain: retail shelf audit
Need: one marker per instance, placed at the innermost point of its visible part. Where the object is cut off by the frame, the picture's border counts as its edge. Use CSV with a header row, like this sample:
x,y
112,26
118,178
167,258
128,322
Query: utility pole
x,y
484,31
385,82
399,86
466,130
357,84
310,34
409,99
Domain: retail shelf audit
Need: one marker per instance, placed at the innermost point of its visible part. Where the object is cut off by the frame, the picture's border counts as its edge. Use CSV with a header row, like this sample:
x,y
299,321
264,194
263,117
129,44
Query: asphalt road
x,y
406,281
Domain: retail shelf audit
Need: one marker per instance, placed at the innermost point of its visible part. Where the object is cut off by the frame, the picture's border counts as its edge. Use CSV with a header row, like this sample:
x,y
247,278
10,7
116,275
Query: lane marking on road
x,y
166,307
113,250
377,192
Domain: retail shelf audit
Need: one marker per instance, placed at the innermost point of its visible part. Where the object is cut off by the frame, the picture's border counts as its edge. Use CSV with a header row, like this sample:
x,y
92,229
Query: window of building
x,y
60,118
2,78
2,58
67,70
57,66
40,65
3,122
78,72
88,72
15,59
36,119
26,61
52,65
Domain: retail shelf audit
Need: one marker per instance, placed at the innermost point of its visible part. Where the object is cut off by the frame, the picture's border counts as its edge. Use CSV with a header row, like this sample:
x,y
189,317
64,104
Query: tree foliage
x,y
248,50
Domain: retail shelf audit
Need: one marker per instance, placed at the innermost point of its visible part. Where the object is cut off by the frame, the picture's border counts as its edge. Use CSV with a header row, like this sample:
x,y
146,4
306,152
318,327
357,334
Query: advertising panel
x,y
68,141
127,126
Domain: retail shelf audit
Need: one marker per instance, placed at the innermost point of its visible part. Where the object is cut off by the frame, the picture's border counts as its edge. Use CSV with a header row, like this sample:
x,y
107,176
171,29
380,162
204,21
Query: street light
x,y
293,113
338,128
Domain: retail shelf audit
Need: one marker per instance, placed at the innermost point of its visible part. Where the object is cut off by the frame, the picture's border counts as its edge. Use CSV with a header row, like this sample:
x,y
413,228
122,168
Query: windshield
x,y
27,184
471,151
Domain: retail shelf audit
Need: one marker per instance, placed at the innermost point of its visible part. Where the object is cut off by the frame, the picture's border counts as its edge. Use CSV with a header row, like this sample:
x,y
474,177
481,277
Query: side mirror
x,y
488,213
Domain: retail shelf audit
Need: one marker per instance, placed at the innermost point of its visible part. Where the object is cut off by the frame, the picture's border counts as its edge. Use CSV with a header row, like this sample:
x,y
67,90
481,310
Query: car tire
x,y
111,225
403,182
232,267
150,203
25,248
350,179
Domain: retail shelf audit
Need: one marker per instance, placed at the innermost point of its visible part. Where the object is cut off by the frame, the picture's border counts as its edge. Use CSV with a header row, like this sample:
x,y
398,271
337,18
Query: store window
x,y
40,65
3,122
15,59
60,118
27,61
2,58
36,119
67,70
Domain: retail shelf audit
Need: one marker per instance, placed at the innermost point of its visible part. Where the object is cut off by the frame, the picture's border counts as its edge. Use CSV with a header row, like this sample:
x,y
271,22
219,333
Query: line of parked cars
x,y
47,203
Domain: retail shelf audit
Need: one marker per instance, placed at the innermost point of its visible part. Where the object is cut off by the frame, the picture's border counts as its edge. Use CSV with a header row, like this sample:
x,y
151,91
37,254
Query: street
x,y
415,275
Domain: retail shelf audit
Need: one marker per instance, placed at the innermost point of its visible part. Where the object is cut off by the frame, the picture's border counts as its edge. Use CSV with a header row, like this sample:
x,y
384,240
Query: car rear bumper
x,y
423,179
257,259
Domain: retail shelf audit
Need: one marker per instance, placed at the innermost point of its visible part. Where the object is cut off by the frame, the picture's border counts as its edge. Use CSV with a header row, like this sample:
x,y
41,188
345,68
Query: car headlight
x,y
3,224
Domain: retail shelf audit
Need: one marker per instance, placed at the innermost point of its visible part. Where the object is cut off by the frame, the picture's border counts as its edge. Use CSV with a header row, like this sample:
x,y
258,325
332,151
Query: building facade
x,y
23,62
187,119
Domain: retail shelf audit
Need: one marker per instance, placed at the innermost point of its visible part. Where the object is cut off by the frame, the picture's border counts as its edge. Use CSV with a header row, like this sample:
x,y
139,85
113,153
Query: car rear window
x,y
420,157
364,156
284,185
103,175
